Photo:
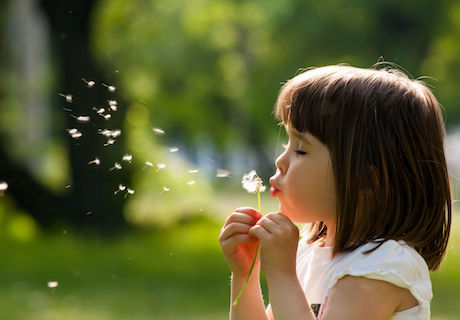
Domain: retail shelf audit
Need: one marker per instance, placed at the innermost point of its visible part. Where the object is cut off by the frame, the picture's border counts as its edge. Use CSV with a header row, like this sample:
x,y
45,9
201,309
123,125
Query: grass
x,y
175,274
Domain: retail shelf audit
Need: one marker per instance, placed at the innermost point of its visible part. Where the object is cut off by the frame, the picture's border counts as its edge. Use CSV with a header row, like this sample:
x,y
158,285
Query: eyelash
x,y
300,152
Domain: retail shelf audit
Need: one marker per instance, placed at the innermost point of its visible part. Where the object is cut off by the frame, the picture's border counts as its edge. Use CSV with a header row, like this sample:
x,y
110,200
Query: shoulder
x,y
378,271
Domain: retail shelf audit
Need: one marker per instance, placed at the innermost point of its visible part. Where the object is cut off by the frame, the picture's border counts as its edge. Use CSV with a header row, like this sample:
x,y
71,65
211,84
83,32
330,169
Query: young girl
x,y
365,168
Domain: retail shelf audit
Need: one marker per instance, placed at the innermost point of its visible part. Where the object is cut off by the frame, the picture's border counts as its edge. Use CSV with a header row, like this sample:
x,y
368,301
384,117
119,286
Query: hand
x,y
278,238
238,246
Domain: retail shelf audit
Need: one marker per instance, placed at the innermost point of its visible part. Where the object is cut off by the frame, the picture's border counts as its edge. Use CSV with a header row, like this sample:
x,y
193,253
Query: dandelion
x,y
127,157
173,149
222,173
161,166
116,166
53,284
158,130
252,183
191,182
193,171
96,161
68,97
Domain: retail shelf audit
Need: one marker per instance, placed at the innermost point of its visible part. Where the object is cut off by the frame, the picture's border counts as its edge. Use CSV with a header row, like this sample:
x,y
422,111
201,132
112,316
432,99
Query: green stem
x,y
253,261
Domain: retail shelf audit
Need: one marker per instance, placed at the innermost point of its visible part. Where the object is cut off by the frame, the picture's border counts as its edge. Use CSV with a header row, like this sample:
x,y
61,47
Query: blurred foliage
x,y
175,274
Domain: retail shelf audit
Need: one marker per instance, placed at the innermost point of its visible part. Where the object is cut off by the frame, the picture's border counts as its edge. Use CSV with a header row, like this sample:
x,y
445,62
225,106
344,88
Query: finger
x,y
279,218
234,241
258,232
232,229
251,211
268,224
240,217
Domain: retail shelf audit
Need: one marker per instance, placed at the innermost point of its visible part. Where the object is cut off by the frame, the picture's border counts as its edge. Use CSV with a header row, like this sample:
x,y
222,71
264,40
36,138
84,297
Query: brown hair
x,y
385,135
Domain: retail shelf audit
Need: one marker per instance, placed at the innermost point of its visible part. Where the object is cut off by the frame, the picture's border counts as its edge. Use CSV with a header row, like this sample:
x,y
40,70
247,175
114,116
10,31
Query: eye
x,y
300,152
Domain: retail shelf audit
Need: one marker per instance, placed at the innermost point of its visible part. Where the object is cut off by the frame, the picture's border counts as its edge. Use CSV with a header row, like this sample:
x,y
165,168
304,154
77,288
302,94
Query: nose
x,y
281,162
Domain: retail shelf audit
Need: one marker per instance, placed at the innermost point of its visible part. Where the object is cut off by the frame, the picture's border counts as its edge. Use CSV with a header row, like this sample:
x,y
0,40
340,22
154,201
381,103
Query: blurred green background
x,y
105,217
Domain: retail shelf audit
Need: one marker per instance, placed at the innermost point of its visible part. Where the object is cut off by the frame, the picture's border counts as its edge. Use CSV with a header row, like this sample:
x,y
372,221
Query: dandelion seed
x,y
110,133
90,83
109,142
96,161
130,191
191,182
166,189
107,116
114,108
3,186
77,135
82,118
222,173
68,97
158,130
110,88
74,133
120,188
116,166
148,163
252,183
112,102
127,157
161,166
53,284
73,130
68,186
88,213
193,171
67,109
101,110
173,149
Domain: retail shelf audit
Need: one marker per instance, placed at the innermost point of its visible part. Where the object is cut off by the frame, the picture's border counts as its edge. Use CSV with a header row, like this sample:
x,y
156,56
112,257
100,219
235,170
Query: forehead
x,y
303,136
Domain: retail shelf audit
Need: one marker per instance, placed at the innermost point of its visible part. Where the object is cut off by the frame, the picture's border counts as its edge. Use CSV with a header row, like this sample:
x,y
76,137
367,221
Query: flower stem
x,y
253,261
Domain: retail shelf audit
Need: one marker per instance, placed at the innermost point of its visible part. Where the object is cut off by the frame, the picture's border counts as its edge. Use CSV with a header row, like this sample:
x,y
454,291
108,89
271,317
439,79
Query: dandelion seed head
x,y
173,149
53,284
158,130
222,173
252,183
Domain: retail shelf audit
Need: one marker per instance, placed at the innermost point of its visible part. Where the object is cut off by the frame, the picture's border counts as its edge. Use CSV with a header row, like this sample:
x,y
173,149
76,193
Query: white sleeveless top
x,y
394,262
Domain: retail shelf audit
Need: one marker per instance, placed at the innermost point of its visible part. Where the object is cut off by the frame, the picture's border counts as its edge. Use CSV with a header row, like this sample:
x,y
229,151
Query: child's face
x,y
304,182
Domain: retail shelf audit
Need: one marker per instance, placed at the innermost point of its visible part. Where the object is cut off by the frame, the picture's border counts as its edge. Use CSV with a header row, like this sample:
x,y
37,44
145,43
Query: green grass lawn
x,y
179,274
